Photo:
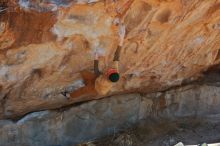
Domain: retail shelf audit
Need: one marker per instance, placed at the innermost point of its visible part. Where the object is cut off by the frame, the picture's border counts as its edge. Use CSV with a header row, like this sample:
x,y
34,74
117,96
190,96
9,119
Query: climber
x,y
100,83
103,83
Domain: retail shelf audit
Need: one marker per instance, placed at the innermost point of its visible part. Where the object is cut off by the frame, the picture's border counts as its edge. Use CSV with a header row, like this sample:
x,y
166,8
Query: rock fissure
x,y
158,99
111,115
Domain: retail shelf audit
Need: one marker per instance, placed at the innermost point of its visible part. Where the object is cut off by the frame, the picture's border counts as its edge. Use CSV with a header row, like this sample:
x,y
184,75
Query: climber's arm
x,y
117,57
96,65
117,53
118,50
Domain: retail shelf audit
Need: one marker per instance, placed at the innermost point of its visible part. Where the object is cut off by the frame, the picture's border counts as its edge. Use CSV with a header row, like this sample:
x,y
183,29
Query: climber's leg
x,y
88,89
88,77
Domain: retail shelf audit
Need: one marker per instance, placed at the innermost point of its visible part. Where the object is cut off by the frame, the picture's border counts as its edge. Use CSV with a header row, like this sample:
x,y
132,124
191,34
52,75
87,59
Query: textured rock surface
x,y
107,116
45,44
166,133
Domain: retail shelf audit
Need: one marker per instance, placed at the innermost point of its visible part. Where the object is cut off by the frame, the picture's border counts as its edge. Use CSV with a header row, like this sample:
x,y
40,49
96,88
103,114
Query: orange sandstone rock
x,y
45,46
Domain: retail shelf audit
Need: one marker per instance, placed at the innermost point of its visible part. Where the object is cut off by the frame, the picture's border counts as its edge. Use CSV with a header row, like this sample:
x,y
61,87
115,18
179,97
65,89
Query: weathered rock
x,y
74,125
96,119
44,45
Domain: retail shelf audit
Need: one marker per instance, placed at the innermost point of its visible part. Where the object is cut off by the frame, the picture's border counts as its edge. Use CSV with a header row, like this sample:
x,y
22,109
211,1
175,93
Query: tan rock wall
x,y
44,46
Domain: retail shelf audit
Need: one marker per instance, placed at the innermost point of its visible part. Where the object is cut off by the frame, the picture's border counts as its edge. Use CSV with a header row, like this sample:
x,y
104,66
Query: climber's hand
x,y
122,33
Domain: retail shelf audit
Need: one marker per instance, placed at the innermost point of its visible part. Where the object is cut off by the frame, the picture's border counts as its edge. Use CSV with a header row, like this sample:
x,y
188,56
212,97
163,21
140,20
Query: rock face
x,y
44,45
96,119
